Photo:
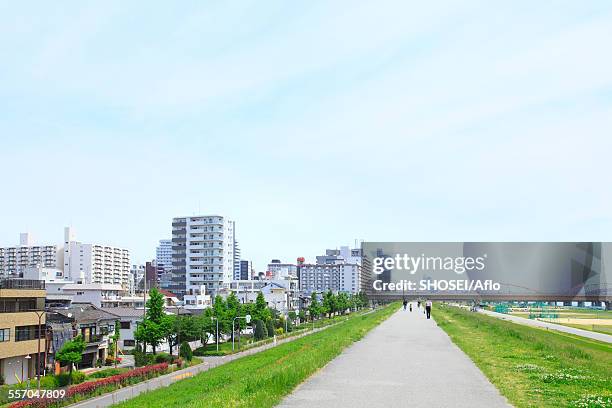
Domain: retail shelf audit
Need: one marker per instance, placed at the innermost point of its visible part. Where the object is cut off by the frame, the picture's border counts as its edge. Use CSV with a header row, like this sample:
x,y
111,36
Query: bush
x,y
270,327
63,379
143,359
279,331
107,373
185,351
163,358
260,334
49,382
1,379
77,377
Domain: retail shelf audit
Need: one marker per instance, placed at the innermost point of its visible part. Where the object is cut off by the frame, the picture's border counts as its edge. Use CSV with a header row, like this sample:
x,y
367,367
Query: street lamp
x,y
248,320
25,358
40,314
178,331
217,333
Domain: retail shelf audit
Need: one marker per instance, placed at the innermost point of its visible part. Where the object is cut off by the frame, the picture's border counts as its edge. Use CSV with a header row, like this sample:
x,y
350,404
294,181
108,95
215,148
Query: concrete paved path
x,y
407,361
538,323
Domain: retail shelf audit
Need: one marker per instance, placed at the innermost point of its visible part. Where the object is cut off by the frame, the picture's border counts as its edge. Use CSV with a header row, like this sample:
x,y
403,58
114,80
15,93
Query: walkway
x,y
538,323
407,361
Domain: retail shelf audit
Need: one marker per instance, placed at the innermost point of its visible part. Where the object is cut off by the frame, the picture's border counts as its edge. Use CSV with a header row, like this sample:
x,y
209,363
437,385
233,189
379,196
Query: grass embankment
x,y
532,367
263,379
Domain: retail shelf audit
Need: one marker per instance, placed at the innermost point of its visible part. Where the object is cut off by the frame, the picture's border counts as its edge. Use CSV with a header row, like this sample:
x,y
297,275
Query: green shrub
x,y
259,333
143,359
49,382
279,331
185,351
65,379
107,373
77,377
163,358
270,327
2,379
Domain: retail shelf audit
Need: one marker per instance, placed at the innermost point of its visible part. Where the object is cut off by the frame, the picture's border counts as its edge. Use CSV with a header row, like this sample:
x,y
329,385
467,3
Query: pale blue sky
x,y
311,124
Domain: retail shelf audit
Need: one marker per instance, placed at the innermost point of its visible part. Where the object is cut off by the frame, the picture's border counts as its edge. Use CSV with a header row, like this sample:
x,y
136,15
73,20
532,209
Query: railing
x,y
21,284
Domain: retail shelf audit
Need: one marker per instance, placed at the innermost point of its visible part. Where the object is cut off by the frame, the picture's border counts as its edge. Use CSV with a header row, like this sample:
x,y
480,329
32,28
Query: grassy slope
x,y
532,367
263,379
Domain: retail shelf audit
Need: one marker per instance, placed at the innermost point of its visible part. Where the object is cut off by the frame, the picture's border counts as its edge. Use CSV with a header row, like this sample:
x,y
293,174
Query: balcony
x,y
22,284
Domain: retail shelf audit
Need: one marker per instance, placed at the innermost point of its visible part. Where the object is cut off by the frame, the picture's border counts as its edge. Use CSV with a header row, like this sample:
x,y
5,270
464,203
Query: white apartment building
x,y
163,256
279,270
236,259
94,263
15,259
72,261
202,255
335,277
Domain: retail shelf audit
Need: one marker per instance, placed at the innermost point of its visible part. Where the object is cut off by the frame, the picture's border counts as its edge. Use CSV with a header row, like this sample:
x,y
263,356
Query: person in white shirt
x,y
428,308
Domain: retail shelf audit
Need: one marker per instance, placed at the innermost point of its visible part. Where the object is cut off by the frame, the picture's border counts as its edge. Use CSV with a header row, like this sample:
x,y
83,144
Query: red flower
x,y
90,386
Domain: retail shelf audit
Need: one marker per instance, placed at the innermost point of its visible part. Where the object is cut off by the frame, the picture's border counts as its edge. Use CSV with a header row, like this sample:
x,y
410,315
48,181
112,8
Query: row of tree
x,y
331,304
158,327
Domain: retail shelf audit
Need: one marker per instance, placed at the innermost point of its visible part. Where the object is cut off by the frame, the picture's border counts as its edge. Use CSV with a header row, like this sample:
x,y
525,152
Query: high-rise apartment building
x,y
163,256
94,263
73,261
339,270
14,260
202,255
335,277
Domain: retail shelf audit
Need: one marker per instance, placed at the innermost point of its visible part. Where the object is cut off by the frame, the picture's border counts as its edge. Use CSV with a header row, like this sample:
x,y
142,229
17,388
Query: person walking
x,y
405,304
428,308
411,306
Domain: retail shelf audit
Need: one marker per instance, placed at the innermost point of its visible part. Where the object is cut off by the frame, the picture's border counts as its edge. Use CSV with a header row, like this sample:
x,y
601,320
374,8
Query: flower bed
x,y
90,387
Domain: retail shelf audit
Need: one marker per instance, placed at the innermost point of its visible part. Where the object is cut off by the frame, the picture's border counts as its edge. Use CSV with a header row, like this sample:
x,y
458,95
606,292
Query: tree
x,y
315,306
329,303
270,327
233,311
259,332
262,312
185,351
155,306
156,325
342,302
205,326
220,312
71,352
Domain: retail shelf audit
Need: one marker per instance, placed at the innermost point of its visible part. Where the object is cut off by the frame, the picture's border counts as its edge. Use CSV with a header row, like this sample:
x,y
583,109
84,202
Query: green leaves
x,y
71,352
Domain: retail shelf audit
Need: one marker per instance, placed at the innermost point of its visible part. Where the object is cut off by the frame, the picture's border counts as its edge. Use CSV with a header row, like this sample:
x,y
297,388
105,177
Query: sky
x,y
311,124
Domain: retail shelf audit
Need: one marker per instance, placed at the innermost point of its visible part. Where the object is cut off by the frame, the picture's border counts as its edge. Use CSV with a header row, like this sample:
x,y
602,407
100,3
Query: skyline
x,y
310,125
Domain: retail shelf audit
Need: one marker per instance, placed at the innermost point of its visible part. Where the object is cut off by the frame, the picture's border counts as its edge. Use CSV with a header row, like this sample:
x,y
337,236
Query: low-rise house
x,y
92,323
128,321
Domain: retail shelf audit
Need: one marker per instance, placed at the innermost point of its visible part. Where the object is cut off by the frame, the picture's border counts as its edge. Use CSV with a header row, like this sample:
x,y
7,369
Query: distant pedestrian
x,y
405,304
419,304
428,308
411,306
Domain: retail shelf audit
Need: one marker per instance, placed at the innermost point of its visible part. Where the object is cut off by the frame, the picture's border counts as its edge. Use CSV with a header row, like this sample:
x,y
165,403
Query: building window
x,y
129,343
126,326
5,335
23,333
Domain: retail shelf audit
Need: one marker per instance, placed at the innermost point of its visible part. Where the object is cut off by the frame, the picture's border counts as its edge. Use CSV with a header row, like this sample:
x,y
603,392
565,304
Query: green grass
x,y
532,367
263,379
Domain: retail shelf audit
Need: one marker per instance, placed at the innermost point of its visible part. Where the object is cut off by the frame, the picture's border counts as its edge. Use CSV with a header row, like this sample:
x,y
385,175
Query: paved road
x,y
538,323
407,361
